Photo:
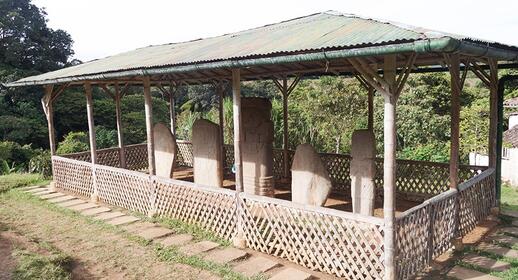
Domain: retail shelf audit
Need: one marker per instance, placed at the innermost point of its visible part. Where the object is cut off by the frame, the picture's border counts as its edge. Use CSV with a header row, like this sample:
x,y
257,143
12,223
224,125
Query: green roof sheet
x,y
328,31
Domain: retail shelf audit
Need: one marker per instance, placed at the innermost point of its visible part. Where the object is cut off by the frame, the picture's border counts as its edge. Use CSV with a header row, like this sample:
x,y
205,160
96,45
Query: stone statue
x,y
257,146
207,156
165,150
310,182
363,171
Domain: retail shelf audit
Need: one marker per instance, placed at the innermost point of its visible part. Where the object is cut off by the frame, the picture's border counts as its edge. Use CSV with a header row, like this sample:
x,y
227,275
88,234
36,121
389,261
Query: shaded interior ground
x,y
97,251
338,201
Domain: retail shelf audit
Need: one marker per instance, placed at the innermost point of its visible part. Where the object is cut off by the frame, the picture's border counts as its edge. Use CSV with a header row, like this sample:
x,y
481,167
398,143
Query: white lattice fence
x,y
322,239
73,176
184,152
136,157
124,188
213,209
427,230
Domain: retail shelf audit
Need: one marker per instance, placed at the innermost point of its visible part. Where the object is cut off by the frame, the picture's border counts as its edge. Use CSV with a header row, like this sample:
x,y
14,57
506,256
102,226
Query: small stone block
x,y
497,250
61,199
81,207
109,216
504,239
95,211
515,223
510,213
36,190
198,248
176,240
226,255
510,230
154,233
42,193
291,274
486,263
52,195
462,273
30,188
254,266
140,226
71,202
122,220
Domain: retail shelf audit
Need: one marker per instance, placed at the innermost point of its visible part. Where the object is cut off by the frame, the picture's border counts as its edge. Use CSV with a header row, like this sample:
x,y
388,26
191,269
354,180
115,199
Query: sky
x,y
101,28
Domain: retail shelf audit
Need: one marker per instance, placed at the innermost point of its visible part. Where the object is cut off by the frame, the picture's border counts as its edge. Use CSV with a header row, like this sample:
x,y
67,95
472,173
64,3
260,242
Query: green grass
x,y
30,265
509,198
16,180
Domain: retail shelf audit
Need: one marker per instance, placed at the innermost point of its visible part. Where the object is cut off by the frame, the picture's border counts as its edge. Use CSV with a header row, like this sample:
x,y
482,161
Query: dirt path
x,y
98,252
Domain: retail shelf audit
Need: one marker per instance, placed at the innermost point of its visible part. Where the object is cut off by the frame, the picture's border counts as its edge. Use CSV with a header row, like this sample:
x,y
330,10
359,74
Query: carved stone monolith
x,y
206,150
165,150
310,182
257,146
363,171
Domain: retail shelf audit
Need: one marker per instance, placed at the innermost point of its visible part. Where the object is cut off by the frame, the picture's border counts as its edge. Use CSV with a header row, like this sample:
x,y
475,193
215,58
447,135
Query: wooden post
x,y
120,135
285,127
239,241
48,108
455,119
370,97
493,112
172,113
149,125
389,166
91,136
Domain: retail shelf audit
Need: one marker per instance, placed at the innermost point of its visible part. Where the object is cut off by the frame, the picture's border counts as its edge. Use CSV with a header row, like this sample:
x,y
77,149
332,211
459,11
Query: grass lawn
x,y
16,180
509,198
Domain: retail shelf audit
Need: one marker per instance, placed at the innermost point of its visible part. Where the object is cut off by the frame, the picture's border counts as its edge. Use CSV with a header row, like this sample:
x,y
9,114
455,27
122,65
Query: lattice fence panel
x,y
228,154
316,239
136,157
185,157
338,167
82,156
212,209
476,200
109,157
73,176
124,188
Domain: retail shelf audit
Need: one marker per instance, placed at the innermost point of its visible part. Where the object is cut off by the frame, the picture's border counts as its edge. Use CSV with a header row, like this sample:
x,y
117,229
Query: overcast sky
x,y
101,28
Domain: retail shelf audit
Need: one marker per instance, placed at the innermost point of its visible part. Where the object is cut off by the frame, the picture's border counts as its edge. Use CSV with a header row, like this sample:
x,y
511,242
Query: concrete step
x,y
255,265
502,238
36,190
52,195
95,211
175,240
291,273
123,220
226,255
498,250
83,206
198,248
509,230
486,263
30,188
108,216
510,213
153,233
138,226
42,193
71,202
61,199
515,223
462,273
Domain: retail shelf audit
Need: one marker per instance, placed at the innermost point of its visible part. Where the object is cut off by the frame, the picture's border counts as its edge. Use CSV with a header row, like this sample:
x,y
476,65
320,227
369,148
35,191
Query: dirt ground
x,y
97,251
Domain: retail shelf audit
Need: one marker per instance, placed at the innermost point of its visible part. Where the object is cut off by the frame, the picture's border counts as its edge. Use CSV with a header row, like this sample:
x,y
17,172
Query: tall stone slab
x,y
206,150
165,150
257,146
363,171
310,181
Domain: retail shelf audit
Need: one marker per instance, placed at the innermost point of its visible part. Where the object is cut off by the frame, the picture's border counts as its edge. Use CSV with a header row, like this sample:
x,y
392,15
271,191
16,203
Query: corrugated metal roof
x,y
322,31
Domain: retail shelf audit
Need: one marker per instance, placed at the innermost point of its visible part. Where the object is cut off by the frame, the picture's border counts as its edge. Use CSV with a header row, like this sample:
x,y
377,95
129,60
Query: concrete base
x,y
94,198
52,186
457,244
151,213
495,211
239,242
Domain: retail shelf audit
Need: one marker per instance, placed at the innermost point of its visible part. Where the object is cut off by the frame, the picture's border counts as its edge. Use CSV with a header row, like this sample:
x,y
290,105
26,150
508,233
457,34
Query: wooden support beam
x,y
149,125
48,109
389,165
120,134
370,105
493,112
91,137
456,88
220,90
172,113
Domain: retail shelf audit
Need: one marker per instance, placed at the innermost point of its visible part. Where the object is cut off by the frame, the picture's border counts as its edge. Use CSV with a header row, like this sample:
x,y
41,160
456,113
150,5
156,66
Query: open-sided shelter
x,y
381,55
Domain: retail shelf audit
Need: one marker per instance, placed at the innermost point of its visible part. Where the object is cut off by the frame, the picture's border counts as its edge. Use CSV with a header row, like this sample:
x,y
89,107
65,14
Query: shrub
x,y
4,167
106,138
15,155
74,142
41,163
